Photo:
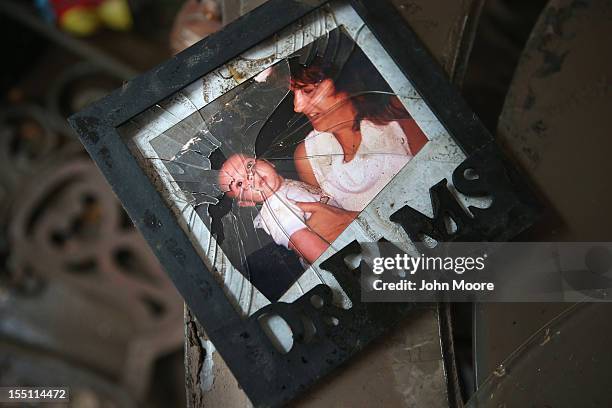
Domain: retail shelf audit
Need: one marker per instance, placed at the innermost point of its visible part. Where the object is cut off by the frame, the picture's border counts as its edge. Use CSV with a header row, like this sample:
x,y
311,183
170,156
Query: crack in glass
x,y
239,168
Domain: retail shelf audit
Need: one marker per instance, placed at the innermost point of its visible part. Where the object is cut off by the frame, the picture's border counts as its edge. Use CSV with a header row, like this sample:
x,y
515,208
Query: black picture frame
x,y
269,377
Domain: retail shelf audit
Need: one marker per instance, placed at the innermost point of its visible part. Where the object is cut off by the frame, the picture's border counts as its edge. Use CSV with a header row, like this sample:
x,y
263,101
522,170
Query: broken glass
x,y
318,115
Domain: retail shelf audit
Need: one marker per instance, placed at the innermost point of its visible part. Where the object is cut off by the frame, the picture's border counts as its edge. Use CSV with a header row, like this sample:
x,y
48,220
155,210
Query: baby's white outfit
x,y
280,217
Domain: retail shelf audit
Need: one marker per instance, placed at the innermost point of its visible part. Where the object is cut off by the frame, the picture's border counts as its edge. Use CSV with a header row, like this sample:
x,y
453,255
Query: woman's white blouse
x,y
382,153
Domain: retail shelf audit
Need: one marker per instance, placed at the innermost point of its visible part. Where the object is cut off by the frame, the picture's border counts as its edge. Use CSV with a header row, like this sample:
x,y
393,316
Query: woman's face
x,y
320,103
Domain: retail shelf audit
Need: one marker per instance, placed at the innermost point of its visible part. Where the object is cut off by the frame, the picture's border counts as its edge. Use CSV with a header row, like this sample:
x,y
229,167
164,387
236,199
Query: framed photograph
x,y
256,161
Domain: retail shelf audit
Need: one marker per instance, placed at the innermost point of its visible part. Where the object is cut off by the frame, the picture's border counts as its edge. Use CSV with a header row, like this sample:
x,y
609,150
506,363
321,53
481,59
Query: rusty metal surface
x,y
446,28
407,368
555,116
555,122
20,365
60,321
69,218
503,30
77,282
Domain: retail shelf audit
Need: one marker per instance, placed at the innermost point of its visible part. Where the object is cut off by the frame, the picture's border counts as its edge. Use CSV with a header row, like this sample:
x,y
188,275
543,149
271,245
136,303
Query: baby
x,y
252,181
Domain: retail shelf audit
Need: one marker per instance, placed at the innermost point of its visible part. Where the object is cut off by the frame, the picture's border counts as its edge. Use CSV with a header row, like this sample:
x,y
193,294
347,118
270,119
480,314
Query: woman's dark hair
x,y
356,77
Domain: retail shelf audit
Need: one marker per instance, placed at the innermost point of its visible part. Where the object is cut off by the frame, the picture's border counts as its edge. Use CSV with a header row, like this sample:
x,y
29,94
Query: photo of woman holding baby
x,y
277,164
362,137
297,179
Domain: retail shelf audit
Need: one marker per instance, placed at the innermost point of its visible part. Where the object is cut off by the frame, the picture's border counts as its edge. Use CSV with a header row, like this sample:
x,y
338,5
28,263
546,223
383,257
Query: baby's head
x,y
248,179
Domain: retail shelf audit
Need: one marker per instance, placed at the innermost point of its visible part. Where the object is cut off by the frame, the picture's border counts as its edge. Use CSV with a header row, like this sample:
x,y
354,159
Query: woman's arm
x,y
326,220
415,136
303,167
307,244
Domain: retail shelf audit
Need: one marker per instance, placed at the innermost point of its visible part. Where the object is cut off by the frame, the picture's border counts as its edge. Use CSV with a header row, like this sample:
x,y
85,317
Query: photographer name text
x,y
427,286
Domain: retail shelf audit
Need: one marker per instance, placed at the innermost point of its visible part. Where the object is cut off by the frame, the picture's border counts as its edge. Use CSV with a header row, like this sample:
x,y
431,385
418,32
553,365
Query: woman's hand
x,y
326,220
